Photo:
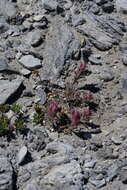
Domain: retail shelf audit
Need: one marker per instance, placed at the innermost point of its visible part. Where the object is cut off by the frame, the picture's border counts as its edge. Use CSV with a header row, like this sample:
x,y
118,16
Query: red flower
x,y
75,117
53,108
88,97
87,112
82,67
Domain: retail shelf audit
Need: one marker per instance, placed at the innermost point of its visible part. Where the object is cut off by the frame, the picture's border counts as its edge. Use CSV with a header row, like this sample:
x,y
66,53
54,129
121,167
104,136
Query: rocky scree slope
x,y
42,43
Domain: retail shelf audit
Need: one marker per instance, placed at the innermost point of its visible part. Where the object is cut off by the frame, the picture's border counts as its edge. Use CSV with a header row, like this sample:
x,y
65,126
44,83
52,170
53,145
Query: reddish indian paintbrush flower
x,y
87,112
53,108
88,97
75,117
81,69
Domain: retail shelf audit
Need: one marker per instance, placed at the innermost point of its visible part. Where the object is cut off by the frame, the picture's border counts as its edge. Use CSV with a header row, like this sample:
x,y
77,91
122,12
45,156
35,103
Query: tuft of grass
x,y
4,124
16,108
68,108
38,118
19,124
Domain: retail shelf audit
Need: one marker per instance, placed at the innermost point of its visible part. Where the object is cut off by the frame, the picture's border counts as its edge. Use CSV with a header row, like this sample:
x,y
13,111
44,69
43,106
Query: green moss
x,y
4,125
4,108
16,108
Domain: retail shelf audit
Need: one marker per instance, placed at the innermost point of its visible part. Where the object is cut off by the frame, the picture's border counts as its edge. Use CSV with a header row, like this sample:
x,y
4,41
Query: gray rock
x,y
108,7
78,20
94,9
38,18
9,88
124,59
63,174
40,25
31,186
56,50
36,139
102,31
124,83
116,140
90,163
30,62
95,60
3,27
112,172
121,5
5,68
60,148
7,9
68,4
106,74
50,5
3,64
123,47
22,155
34,38
98,183
25,72
27,24
123,176
40,96
10,10
42,167
6,174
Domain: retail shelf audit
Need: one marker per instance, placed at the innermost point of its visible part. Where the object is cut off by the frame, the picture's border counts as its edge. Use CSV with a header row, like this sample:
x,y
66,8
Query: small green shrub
x,y
4,108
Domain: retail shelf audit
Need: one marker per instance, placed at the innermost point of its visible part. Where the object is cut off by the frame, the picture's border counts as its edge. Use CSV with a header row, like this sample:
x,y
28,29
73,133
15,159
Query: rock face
x,y
7,89
45,46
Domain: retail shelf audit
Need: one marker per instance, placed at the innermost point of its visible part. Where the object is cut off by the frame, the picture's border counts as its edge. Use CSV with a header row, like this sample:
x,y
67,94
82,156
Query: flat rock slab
x,y
30,62
57,47
8,88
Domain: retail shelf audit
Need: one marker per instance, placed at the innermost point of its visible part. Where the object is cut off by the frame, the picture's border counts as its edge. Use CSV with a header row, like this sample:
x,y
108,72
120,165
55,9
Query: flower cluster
x,y
53,108
74,106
